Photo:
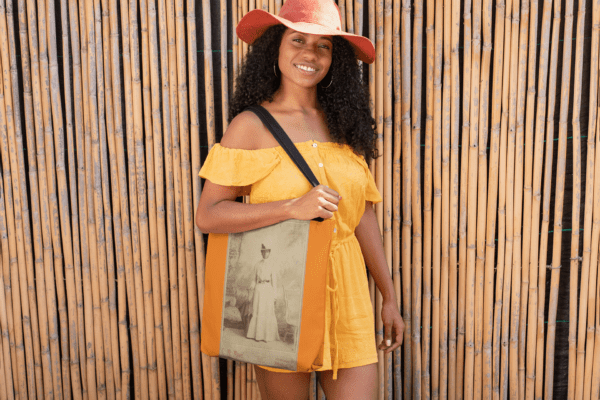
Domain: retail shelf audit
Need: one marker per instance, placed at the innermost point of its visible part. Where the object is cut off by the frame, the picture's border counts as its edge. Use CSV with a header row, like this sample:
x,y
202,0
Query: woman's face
x,y
304,59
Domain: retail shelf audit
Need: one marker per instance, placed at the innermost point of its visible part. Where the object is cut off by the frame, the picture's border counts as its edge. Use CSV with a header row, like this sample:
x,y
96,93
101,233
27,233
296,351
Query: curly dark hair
x,y
345,102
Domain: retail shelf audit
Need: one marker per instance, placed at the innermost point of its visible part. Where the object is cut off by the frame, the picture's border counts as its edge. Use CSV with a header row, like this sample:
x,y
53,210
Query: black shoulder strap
x,y
285,142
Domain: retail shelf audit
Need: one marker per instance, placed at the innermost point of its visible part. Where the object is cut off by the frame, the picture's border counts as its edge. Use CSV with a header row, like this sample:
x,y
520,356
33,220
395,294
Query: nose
x,y
311,51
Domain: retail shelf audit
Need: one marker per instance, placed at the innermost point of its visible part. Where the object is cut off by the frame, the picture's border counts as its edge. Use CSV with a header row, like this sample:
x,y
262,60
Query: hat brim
x,y
256,22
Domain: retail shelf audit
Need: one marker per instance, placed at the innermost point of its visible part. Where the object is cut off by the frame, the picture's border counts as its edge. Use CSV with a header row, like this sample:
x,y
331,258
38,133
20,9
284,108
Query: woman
x,y
263,324
303,69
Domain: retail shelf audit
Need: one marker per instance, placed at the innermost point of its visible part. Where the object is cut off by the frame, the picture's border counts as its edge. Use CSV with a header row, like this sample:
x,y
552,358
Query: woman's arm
x,y
218,212
369,238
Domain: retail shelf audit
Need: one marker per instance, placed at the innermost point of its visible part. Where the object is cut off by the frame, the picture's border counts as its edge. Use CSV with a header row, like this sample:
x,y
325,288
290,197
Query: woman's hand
x,y
321,201
393,327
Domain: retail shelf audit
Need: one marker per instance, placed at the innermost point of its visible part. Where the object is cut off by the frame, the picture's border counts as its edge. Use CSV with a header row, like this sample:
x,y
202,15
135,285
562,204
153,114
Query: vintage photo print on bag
x,y
264,285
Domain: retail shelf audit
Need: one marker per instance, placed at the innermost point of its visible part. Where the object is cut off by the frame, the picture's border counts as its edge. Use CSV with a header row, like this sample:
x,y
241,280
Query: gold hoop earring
x,y
330,82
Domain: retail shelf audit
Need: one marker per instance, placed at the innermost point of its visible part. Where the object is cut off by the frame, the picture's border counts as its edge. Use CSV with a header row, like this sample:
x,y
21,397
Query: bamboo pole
x,y
82,136
415,175
437,200
109,296
549,120
237,381
491,347
471,372
463,242
379,165
211,369
152,127
173,178
498,175
454,192
224,70
122,207
514,206
235,46
160,270
575,259
559,197
446,127
592,127
171,346
230,379
509,363
526,273
536,200
179,158
4,310
187,123
427,206
74,122
388,126
397,183
106,269
3,386
134,278
243,393
349,16
108,292
97,197
485,273
519,314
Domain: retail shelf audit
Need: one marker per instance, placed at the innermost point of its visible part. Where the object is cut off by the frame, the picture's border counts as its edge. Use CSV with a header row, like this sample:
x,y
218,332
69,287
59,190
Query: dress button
x,y
334,230
320,165
314,145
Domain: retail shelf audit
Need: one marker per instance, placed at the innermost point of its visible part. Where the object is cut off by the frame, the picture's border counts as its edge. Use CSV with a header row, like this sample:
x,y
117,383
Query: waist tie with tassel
x,y
332,287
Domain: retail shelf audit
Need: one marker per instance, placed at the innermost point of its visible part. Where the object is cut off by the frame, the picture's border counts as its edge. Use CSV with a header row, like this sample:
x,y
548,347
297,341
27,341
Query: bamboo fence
x,y
481,108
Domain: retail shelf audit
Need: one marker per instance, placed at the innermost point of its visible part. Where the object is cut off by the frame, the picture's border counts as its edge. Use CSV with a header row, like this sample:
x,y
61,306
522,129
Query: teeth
x,y
305,68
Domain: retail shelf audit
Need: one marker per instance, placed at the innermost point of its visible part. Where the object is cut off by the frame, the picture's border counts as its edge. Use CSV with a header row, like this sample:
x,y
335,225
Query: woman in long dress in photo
x,y
263,325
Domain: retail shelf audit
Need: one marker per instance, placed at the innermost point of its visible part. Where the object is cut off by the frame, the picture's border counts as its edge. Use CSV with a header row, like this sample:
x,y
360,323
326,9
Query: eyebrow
x,y
305,34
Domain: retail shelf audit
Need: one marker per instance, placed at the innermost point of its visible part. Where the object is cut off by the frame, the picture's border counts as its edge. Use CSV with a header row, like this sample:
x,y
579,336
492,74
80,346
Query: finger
x,y
324,213
329,206
392,348
387,335
330,192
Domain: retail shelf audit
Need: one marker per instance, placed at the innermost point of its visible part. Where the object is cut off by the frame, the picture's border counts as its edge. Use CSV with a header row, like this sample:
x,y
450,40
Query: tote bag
x,y
265,289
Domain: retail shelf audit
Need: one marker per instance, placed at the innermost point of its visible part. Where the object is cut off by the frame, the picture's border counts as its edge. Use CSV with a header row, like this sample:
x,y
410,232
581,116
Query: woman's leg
x,y
282,385
358,383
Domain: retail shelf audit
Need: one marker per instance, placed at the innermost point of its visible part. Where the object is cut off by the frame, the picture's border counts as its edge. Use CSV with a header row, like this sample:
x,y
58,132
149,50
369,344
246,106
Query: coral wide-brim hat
x,y
317,17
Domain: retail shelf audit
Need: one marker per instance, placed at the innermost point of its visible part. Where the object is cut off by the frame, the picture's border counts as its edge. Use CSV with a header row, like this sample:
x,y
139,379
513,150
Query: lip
x,y
315,69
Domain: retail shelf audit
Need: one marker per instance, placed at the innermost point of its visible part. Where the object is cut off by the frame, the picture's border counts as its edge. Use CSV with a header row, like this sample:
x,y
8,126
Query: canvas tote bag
x,y
265,289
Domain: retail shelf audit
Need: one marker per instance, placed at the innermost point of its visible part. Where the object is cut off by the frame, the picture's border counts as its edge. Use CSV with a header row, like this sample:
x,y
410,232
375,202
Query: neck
x,y
295,97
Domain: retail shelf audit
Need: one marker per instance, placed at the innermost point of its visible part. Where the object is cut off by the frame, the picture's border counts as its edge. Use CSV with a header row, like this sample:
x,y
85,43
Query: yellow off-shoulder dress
x,y
270,175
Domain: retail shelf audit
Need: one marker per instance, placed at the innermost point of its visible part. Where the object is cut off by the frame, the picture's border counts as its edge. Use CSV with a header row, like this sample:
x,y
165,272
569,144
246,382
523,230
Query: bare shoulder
x,y
246,131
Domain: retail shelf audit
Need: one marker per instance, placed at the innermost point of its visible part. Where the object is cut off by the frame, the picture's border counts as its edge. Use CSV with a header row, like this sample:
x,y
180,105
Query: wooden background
x,y
486,113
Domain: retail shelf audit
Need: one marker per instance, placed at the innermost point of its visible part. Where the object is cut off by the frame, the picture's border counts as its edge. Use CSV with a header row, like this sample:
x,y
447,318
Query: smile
x,y
305,68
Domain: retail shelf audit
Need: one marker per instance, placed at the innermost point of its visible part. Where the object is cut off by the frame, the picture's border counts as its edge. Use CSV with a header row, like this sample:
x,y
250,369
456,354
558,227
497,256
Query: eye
x,y
324,46
297,40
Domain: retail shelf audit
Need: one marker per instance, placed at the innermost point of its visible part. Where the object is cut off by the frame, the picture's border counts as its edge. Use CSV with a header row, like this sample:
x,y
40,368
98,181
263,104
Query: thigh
x,y
282,385
358,383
